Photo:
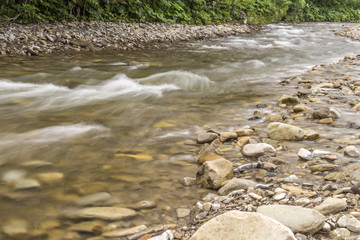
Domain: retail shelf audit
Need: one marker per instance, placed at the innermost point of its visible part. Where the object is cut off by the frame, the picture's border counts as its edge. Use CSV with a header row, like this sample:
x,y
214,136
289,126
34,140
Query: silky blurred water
x,y
89,114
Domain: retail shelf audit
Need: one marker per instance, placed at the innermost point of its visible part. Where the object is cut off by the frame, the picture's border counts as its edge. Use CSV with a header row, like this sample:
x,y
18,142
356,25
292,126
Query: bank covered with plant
x,y
180,11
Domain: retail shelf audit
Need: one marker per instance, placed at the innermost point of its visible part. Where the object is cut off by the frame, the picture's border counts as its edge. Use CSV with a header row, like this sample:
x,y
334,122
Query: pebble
x,y
13,175
339,233
103,213
279,196
305,154
182,212
93,198
350,222
351,151
25,184
124,232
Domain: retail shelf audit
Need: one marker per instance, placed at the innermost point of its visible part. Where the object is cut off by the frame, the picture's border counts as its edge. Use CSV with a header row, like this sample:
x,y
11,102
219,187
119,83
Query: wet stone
x,y
104,213
16,228
125,232
93,198
14,175
25,184
208,157
182,212
50,177
351,151
206,137
89,227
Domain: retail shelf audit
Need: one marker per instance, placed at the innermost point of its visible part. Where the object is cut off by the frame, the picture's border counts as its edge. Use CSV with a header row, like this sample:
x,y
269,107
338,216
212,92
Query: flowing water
x,y
119,127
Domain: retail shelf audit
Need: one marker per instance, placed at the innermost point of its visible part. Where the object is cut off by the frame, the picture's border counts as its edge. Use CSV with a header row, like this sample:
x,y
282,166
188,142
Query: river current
x,y
117,122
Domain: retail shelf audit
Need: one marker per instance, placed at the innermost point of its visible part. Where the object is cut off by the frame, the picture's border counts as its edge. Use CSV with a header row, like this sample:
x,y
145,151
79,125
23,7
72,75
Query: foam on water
x,y
181,79
255,64
53,134
46,96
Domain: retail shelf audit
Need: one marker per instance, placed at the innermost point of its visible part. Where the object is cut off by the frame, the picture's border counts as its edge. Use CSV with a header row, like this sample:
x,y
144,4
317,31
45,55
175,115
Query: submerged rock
x,y
209,157
212,173
287,100
236,184
104,213
236,225
206,137
283,131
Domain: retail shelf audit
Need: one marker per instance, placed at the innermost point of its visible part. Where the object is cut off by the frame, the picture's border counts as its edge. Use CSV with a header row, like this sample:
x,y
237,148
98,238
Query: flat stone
x,y
209,157
93,198
138,157
298,191
339,233
236,225
323,167
89,188
145,204
182,212
298,219
325,121
283,131
104,213
125,232
305,154
300,108
50,177
25,184
258,149
88,227
225,136
351,151
245,132
13,175
350,222
331,205
279,196
212,173
16,228
320,153
206,137
336,176
236,184
36,164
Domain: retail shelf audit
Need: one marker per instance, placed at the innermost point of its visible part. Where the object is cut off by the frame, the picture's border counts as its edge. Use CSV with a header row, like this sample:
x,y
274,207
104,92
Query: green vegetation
x,y
180,11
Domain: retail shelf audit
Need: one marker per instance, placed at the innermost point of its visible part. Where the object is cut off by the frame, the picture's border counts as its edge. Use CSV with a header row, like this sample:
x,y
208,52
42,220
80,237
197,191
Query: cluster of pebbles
x,y
249,170
45,38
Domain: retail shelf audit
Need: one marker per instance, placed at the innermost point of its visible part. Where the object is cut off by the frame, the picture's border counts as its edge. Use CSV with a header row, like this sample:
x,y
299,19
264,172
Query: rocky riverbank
x,y
353,33
318,200
45,38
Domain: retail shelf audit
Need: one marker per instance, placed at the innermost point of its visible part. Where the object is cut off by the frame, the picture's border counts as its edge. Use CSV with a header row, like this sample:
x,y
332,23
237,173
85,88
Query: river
x,y
117,122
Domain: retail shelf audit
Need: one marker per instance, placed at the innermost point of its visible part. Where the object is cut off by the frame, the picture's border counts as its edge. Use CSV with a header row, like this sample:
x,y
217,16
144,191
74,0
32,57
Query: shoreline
x,y
47,38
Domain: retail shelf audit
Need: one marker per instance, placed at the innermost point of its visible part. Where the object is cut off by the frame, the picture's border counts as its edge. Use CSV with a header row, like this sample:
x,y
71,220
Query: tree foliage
x,y
180,11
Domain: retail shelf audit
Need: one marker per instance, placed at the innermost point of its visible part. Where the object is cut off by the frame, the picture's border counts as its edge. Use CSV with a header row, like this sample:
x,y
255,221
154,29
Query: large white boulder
x,y
236,225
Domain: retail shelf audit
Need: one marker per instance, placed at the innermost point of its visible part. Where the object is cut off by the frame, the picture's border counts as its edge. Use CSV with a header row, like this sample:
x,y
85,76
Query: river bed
x,y
117,122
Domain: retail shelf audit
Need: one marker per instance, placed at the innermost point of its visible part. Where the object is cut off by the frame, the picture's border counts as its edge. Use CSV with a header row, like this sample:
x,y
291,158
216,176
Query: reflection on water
x,y
117,122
